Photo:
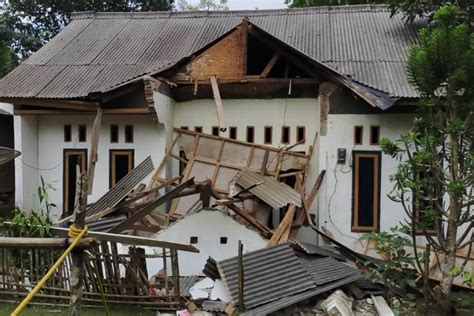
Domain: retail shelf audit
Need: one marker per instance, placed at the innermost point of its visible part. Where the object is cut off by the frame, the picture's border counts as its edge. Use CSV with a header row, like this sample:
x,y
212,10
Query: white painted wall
x,y
335,198
26,172
164,107
253,112
148,141
208,226
6,107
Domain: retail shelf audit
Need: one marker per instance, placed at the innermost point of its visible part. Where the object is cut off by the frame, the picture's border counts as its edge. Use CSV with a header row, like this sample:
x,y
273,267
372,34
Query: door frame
x,y
66,153
355,190
112,154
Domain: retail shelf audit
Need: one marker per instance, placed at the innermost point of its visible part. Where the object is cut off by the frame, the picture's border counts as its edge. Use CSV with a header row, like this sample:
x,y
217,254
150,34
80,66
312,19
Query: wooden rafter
x,y
270,65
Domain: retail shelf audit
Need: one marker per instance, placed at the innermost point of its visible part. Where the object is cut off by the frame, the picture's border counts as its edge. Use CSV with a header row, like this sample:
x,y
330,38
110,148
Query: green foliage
x,y
434,178
317,3
210,5
411,9
26,25
398,266
35,222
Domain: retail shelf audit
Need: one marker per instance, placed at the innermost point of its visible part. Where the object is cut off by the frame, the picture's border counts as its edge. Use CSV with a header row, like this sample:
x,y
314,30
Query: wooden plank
x,y
129,240
126,224
43,243
241,276
93,152
314,191
280,230
381,306
218,101
270,65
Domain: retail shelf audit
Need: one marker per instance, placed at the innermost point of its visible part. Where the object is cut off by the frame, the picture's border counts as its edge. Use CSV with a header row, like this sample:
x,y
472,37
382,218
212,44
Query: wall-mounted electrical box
x,y
341,155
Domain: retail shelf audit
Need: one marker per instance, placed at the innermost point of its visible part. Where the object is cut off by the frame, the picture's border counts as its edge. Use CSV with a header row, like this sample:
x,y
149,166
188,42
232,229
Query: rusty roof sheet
x,y
272,192
98,51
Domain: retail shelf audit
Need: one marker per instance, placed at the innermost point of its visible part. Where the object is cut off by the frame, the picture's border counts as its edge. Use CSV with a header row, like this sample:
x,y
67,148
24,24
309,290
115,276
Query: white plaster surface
x,y
148,141
209,226
335,198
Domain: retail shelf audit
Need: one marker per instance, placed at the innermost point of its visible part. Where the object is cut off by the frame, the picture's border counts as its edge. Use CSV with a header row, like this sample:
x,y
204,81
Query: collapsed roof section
x,y
84,61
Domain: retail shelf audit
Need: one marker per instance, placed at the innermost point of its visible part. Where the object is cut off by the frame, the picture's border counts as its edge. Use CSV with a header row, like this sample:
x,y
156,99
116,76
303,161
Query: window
x,y
366,190
114,133
121,163
82,130
233,132
215,130
198,129
193,240
72,158
250,134
358,134
285,135
67,133
185,127
129,133
267,134
300,134
374,135
223,240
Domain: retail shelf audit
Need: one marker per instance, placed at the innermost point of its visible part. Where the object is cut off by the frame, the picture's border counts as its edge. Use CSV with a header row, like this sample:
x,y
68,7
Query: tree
x,y
316,3
32,23
209,5
434,180
411,9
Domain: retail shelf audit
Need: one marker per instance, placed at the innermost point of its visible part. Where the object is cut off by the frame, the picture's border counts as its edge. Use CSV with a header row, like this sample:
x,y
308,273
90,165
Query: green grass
x,y
37,310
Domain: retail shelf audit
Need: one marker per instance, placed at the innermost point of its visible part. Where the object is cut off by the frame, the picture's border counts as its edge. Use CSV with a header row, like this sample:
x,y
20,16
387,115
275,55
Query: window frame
x,y
198,129
215,128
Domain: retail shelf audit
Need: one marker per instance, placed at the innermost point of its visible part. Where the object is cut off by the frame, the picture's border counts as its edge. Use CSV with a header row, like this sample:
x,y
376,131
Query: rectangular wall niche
x,y
366,190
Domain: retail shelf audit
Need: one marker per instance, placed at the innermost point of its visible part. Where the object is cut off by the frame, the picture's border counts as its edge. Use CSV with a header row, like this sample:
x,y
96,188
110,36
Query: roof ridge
x,y
188,14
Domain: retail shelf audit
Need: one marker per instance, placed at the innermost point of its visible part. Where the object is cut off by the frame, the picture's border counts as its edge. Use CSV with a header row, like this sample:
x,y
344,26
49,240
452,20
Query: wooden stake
x,y
287,220
77,268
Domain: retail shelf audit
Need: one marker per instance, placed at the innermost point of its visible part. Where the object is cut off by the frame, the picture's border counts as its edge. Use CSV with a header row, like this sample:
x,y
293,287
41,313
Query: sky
x,y
251,4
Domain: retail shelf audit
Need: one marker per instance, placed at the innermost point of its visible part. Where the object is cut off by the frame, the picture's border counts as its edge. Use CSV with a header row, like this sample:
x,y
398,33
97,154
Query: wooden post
x,y
241,277
77,255
426,274
175,271
85,181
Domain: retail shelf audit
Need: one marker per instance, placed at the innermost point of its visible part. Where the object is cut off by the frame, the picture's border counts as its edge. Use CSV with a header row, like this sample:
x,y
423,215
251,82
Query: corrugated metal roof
x,y
326,250
103,225
98,51
186,283
325,270
272,192
293,299
122,188
269,274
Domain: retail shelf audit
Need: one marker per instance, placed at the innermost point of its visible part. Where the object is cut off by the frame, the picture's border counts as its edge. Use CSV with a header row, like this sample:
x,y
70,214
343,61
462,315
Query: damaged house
x,y
301,96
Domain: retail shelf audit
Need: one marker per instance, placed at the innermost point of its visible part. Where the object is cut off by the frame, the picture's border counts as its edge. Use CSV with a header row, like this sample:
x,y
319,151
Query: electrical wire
x,y
60,163
329,207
